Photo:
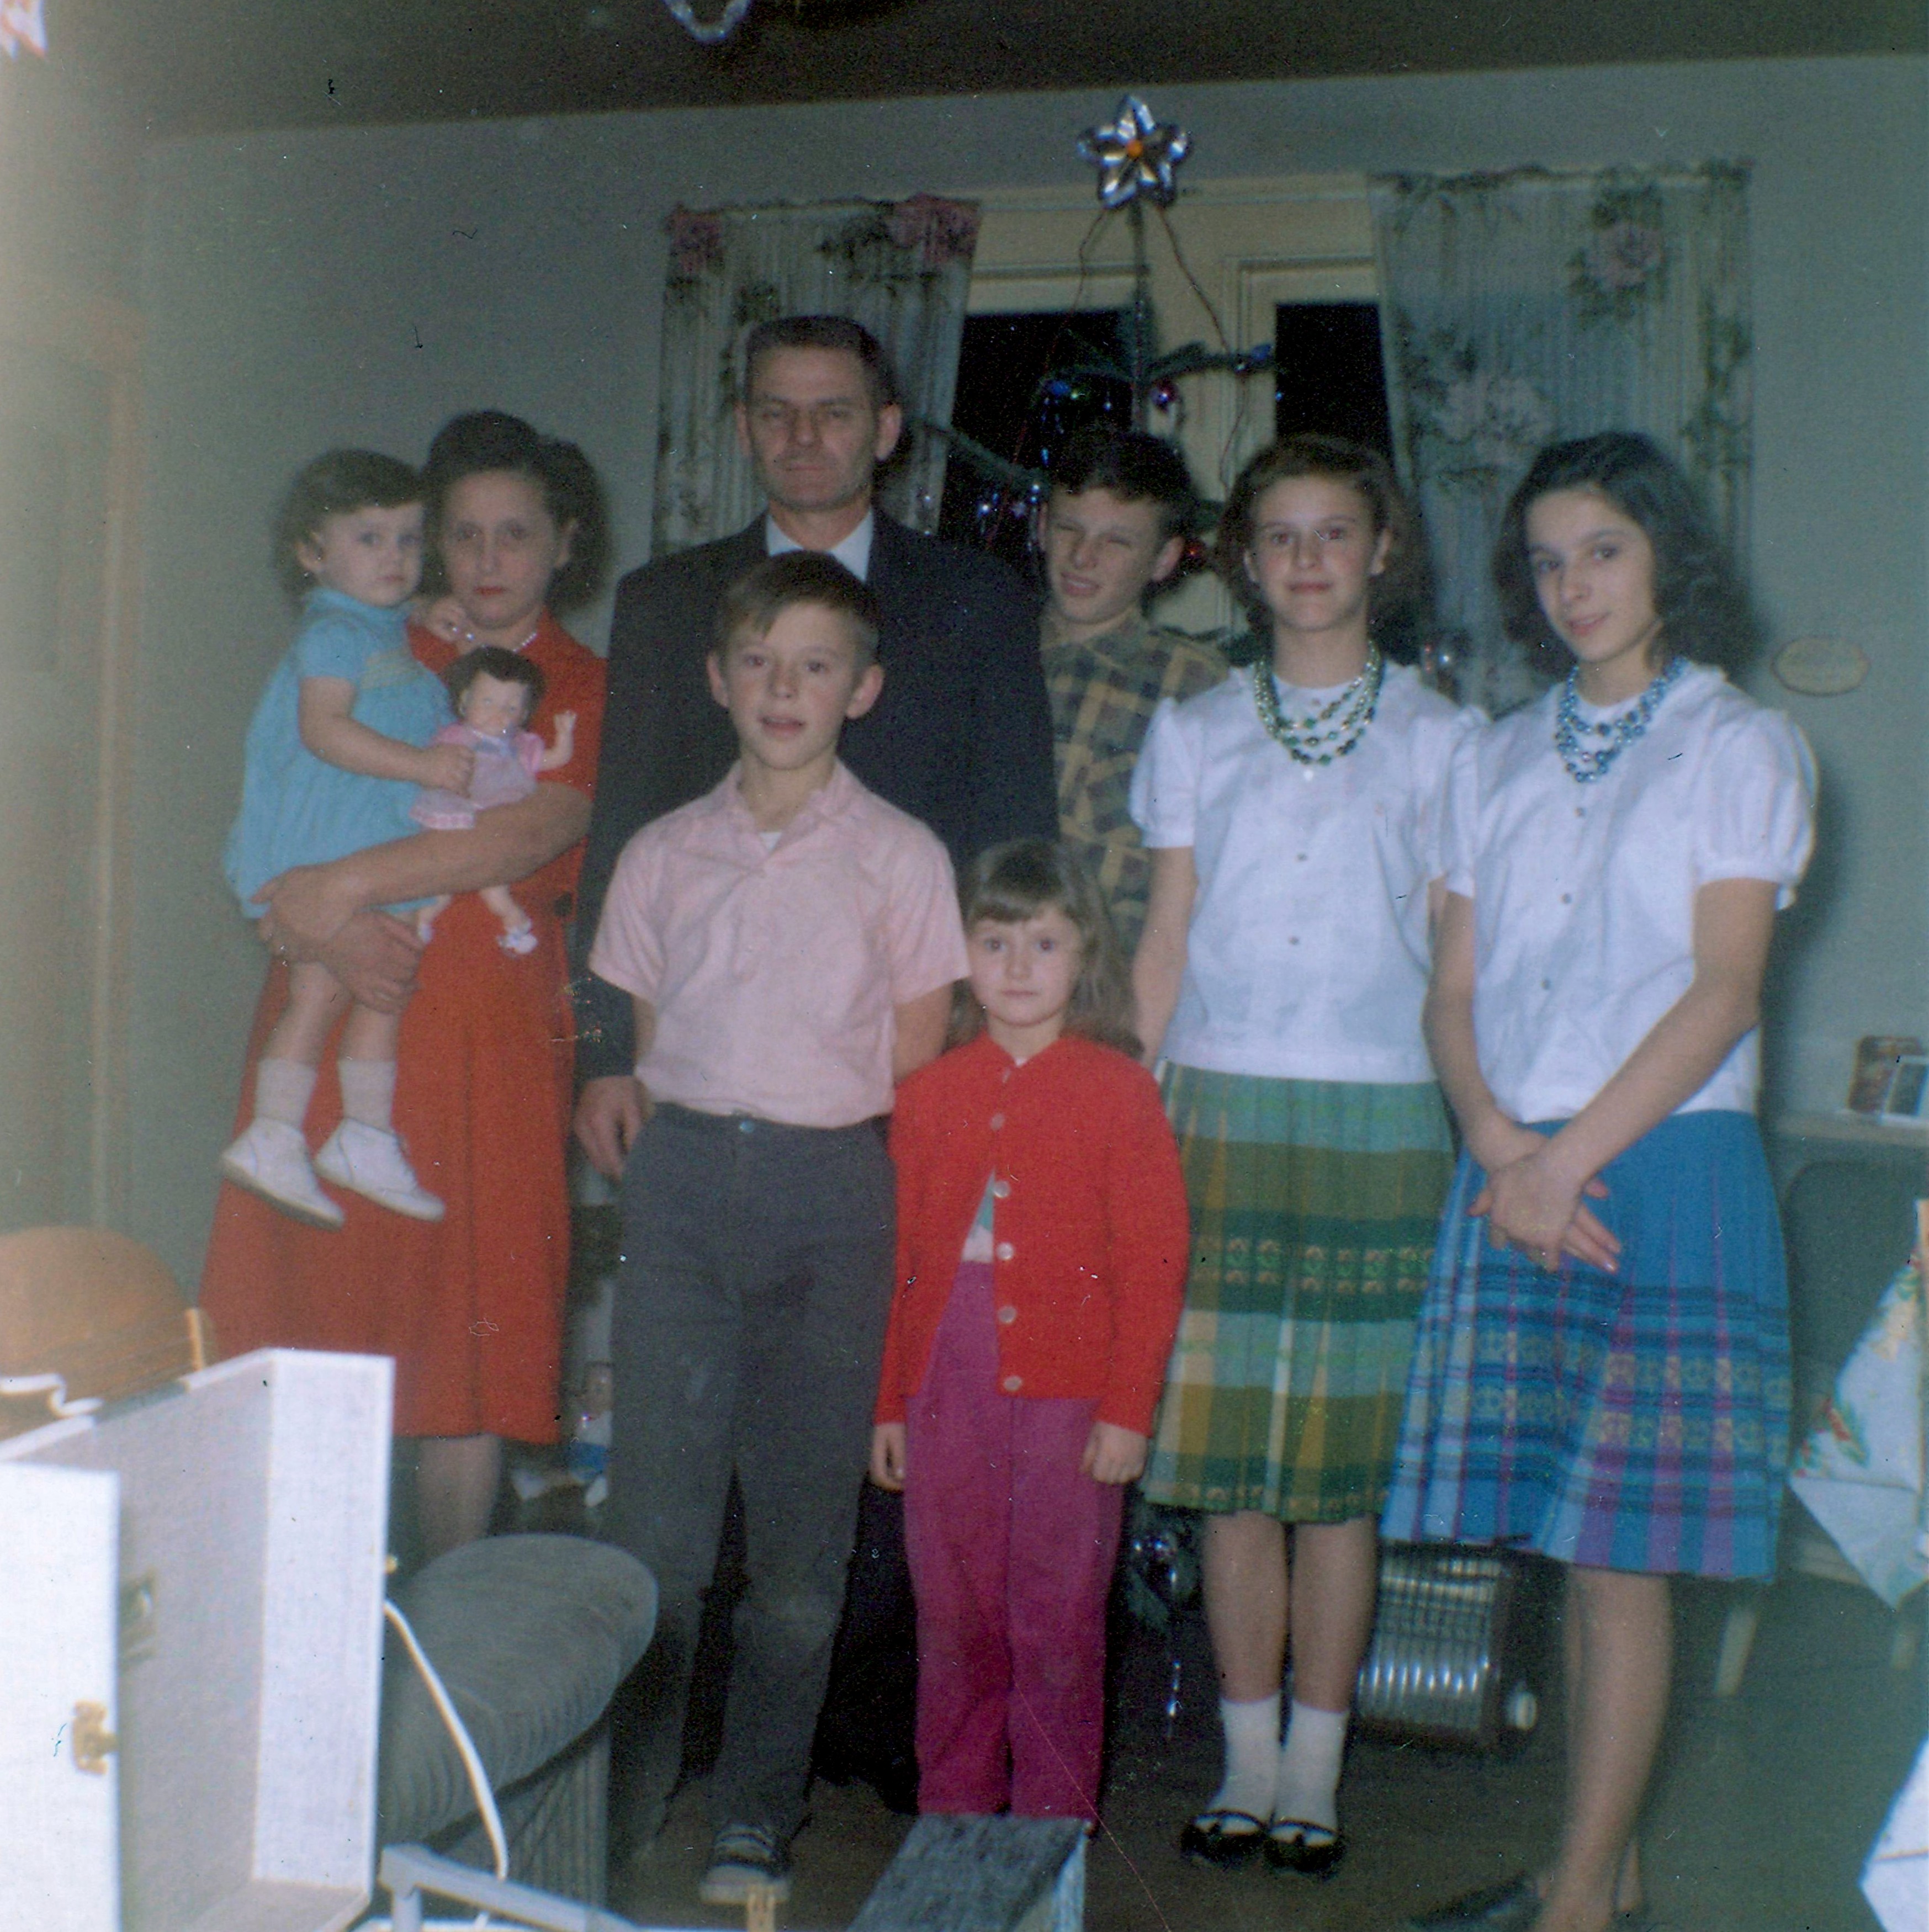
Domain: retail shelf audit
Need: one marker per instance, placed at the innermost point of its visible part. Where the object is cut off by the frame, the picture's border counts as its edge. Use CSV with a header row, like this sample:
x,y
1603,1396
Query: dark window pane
x,y
1330,374
1025,383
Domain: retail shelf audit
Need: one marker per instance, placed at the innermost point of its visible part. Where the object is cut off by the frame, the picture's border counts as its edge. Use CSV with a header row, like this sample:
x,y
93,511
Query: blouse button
x,y
1566,898
1004,1251
1547,985
1302,858
1001,1189
1294,940
1012,1383
998,1120
1580,812
1008,1315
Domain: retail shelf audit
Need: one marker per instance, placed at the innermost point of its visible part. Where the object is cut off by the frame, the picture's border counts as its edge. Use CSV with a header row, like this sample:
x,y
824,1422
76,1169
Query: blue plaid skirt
x,y
1634,1421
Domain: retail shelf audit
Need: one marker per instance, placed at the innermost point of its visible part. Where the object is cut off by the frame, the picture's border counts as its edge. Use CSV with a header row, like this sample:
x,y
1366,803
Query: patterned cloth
x,y
1637,1421
1104,691
1314,1208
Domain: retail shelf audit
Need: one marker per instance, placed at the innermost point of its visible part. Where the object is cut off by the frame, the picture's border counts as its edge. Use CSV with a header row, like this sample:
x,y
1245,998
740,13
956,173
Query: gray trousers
x,y
747,1330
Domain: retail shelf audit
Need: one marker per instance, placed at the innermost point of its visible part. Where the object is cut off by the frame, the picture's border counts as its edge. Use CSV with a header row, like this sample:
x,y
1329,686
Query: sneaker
x,y
371,1162
744,1858
270,1158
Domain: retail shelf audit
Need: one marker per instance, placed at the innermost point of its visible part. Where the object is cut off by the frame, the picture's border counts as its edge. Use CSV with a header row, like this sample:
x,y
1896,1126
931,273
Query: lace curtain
x,y
901,269
1525,307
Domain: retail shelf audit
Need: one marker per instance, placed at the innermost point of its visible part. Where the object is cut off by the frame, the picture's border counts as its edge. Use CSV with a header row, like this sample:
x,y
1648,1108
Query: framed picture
x,y
1908,1096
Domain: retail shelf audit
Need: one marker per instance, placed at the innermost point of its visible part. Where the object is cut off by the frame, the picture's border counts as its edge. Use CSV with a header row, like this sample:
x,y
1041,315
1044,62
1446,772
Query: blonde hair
x,y
1018,881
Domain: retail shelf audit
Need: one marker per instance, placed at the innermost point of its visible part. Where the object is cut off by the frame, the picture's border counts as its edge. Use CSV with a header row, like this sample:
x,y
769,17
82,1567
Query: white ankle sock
x,y
1309,1773
1252,1756
368,1091
282,1091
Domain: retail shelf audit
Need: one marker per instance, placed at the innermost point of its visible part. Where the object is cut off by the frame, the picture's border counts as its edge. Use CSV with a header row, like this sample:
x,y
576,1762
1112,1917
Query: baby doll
x,y
494,692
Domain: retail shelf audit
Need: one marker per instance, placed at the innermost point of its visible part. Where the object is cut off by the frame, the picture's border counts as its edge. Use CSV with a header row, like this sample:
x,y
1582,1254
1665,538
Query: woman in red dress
x,y
471,1306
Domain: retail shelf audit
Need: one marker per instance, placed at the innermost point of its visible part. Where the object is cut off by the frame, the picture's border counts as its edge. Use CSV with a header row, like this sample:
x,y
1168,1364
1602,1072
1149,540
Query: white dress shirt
x,y
1307,956
1584,894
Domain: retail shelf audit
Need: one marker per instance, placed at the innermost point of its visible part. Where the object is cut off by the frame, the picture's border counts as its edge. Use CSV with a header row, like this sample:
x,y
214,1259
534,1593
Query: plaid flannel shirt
x,y
1104,691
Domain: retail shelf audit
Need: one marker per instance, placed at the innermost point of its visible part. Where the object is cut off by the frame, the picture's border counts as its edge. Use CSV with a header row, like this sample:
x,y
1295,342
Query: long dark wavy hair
x,y
1018,881
1398,600
1703,604
483,441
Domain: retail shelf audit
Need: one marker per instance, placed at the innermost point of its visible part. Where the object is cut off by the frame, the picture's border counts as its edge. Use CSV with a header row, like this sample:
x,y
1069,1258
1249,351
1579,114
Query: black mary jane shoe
x,y
1289,1849
1207,1841
1511,1907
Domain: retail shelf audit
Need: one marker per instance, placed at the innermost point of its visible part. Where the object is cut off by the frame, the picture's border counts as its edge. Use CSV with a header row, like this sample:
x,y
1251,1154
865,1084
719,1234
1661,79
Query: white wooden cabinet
x,y
190,1591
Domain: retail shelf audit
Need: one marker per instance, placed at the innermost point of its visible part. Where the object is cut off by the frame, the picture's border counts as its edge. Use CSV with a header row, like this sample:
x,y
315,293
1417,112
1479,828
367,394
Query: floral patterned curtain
x,y
900,268
1525,307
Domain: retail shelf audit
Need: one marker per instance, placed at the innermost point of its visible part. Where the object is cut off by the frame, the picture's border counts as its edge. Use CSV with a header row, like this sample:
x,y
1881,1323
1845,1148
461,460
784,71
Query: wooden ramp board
x,y
965,1874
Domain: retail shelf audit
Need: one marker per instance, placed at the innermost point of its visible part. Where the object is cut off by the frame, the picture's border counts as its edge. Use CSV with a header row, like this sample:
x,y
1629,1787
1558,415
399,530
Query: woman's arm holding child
x,y
326,913
1734,919
330,730
1159,964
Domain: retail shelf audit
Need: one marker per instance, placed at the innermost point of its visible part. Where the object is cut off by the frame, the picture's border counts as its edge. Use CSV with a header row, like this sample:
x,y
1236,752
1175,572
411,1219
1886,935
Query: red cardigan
x,y
1092,1229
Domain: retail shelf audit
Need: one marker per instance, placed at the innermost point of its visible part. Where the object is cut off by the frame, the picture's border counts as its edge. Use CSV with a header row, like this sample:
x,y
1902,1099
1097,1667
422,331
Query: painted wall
x,y
311,289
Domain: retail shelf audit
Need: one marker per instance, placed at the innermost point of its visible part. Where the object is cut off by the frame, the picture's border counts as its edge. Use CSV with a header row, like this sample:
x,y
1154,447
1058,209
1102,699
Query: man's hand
x,y
887,1455
373,954
610,1113
1113,1454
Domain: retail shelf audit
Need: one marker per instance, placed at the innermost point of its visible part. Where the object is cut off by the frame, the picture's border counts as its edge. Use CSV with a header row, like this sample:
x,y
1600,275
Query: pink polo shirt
x,y
774,970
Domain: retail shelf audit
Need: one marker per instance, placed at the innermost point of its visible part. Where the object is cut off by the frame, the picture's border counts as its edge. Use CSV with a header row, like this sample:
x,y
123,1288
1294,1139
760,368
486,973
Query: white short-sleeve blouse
x,y
1584,894
1307,959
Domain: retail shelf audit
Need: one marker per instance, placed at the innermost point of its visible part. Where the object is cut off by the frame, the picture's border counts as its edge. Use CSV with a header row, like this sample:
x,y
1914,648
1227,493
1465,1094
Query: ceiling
x,y
227,65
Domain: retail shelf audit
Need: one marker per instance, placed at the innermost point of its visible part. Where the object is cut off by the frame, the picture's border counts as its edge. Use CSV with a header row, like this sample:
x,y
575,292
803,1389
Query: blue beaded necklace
x,y
1586,762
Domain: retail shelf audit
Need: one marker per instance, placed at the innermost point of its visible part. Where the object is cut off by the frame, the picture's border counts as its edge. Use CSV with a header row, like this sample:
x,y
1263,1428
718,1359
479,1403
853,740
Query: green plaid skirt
x,y
1315,1204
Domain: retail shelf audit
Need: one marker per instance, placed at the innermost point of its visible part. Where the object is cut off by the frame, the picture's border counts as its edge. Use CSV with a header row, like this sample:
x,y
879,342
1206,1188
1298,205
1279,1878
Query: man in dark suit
x,y
961,738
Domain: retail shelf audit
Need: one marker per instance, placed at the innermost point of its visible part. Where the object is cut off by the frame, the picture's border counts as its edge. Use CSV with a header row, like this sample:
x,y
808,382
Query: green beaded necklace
x,y
1335,728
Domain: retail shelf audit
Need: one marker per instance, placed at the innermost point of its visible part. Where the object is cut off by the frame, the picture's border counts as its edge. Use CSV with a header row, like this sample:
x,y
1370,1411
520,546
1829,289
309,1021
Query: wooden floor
x,y
1763,1809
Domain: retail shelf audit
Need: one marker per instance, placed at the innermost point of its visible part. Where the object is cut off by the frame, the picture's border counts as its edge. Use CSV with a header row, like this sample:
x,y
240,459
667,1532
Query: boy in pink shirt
x,y
789,942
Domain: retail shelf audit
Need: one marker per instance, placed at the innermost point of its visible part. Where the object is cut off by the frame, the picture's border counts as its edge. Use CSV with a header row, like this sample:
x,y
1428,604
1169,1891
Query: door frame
x,y
102,336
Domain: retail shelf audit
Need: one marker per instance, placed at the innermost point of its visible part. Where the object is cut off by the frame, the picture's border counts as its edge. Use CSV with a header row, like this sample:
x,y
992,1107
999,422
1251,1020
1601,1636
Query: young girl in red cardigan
x,y
1042,1252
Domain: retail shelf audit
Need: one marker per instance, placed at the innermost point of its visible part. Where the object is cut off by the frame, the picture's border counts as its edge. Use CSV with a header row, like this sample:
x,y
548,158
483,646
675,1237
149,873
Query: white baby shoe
x,y
270,1158
370,1162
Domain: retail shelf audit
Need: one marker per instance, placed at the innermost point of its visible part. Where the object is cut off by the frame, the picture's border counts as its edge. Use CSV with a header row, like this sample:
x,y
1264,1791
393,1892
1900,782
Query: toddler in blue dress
x,y
338,745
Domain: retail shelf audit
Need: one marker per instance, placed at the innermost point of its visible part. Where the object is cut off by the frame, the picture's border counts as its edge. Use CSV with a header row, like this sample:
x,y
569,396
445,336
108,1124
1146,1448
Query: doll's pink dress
x,y
506,764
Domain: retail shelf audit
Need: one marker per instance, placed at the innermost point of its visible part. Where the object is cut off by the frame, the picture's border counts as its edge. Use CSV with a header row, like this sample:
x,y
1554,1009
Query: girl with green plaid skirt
x,y
1293,816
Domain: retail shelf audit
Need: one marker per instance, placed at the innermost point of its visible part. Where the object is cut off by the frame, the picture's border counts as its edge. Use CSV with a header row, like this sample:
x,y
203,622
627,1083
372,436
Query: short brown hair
x,y
836,332
752,604
1018,881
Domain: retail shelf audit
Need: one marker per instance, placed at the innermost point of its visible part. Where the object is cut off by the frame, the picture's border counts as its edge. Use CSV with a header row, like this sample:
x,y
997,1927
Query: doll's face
x,y
495,705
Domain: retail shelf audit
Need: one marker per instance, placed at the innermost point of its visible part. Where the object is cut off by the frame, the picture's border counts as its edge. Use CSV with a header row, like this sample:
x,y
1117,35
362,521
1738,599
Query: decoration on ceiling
x,y
22,25
710,32
1136,155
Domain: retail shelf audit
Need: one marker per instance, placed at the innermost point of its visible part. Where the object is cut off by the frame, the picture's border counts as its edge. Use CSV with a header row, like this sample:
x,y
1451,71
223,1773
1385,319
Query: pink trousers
x,y
1012,1551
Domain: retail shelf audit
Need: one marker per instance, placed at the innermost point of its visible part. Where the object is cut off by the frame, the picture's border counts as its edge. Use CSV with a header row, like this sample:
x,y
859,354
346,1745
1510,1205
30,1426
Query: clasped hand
x,y
1532,1201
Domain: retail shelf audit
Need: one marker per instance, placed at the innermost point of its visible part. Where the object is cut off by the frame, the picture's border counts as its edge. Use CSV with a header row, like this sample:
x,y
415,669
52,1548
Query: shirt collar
x,y
854,553
830,800
1125,640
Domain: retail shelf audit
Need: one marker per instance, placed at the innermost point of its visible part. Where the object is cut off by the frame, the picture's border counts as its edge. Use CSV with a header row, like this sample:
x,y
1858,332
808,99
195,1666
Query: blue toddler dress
x,y
297,809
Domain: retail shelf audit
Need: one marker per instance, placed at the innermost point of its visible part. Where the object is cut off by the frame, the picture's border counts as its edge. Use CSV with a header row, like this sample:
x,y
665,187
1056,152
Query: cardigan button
x,y
1004,1251
998,1121
1001,1189
1008,1315
1012,1383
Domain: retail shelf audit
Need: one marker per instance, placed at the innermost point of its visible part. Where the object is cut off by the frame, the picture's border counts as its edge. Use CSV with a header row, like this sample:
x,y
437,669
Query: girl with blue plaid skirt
x,y
1601,1369
1292,814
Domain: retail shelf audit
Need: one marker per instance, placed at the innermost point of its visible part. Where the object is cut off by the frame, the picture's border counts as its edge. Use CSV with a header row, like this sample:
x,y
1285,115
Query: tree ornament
x,y
1136,155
